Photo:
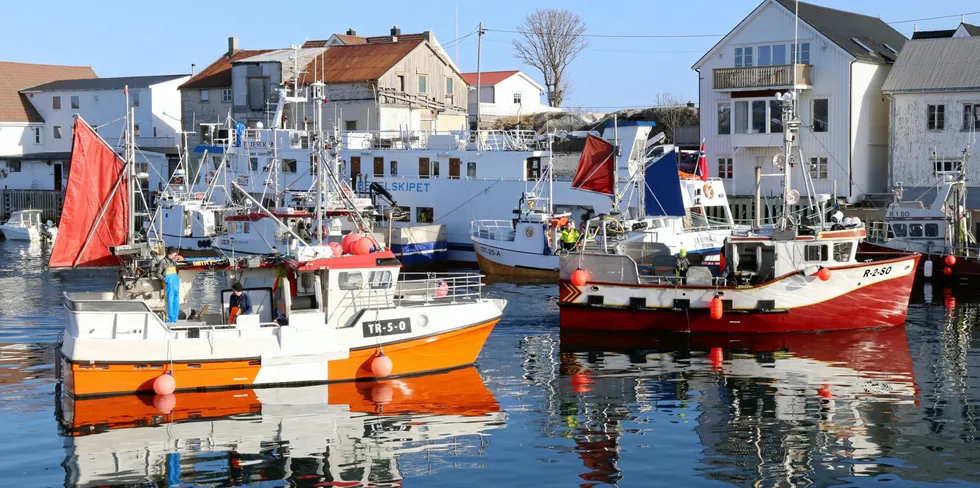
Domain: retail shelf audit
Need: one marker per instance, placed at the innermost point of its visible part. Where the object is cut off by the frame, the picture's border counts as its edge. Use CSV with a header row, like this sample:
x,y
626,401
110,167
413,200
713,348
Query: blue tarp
x,y
662,195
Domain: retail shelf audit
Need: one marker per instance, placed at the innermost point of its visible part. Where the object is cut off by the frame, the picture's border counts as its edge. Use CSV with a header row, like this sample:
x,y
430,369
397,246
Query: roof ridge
x,y
50,65
848,12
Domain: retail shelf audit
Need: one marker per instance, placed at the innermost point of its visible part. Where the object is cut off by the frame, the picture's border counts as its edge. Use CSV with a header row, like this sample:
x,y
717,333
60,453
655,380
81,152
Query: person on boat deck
x,y
167,271
681,263
239,303
569,236
302,231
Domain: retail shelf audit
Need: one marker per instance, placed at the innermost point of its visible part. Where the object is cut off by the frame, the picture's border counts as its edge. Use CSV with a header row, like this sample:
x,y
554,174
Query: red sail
x,y
96,181
596,168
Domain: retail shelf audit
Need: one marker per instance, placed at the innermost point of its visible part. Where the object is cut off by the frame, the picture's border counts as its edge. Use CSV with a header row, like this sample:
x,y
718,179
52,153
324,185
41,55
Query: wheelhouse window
x,y
821,108
253,164
816,252
380,280
350,280
900,230
471,169
435,169
915,230
423,215
842,251
393,168
724,118
932,230
288,165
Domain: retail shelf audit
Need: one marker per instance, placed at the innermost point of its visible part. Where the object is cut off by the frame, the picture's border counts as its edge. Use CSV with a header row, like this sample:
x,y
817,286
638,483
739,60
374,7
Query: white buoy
x,y
927,268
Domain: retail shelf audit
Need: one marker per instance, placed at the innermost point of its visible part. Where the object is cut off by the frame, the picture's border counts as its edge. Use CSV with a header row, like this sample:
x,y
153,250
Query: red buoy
x,y
580,277
948,271
950,260
381,365
348,242
717,308
362,246
823,274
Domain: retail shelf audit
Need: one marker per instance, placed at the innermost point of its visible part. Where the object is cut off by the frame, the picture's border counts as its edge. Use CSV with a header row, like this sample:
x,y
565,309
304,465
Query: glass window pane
x,y
915,230
900,230
759,117
775,116
724,118
779,54
741,117
738,58
820,109
765,55
932,230
747,56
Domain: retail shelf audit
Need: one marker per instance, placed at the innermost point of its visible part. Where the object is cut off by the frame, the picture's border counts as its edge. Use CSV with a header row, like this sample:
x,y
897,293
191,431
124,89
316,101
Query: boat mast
x,y
616,163
130,166
792,128
479,51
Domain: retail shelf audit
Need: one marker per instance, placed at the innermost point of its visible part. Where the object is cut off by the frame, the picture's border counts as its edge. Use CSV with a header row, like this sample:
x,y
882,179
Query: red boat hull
x,y
883,304
965,270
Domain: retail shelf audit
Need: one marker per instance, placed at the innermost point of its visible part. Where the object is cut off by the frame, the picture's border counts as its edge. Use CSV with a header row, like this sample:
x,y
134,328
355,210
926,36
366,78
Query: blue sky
x,y
128,38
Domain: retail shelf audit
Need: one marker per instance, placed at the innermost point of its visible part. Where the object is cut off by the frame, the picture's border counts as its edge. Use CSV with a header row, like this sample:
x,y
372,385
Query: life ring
x,y
529,232
210,177
709,191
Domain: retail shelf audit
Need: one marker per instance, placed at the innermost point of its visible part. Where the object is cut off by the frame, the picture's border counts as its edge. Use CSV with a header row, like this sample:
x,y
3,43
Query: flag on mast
x,y
702,168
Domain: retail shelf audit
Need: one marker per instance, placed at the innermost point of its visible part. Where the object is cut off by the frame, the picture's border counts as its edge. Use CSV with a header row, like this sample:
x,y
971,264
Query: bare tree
x,y
549,40
671,113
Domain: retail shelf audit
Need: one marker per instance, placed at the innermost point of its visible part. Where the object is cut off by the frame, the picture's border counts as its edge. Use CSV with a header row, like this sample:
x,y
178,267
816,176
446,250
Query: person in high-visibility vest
x,y
569,236
681,263
167,271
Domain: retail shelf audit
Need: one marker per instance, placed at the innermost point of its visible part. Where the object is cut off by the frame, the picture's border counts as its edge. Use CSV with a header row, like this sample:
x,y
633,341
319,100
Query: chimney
x,y
351,32
192,68
232,45
395,31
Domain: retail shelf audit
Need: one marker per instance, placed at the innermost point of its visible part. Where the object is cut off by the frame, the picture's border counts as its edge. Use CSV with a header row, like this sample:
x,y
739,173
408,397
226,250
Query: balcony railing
x,y
762,77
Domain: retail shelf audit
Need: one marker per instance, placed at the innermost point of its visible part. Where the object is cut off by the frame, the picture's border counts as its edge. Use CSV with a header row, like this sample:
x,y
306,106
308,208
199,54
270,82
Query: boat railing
x,y
493,230
415,288
878,232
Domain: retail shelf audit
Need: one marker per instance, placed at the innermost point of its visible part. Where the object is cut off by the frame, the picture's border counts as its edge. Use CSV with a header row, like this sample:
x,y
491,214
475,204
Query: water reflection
x,y
346,434
788,409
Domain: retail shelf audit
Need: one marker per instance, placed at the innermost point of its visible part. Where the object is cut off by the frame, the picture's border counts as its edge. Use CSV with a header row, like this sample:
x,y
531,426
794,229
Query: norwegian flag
x,y
702,168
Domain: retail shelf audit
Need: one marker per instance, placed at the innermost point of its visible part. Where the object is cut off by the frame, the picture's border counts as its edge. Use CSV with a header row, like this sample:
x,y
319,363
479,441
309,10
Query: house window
x,y
226,95
517,98
350,125
13,166
423,167
743,57
842,251
816,252
471,169
900,230
74,102
393,168
350,280
37,135
725,168
449,86
205,96
915,230
971,116
778,54
936,115
136,99
947,166
932,230
759,122
775,116
257,87
288,165
57,132
724,118
253,164
765,55
56,103
401,83
422,83
423,215
803,53
741,117
820,109
818,168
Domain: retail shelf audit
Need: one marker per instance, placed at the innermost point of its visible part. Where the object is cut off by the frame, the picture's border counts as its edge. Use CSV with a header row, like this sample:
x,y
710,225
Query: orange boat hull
x,y
440,352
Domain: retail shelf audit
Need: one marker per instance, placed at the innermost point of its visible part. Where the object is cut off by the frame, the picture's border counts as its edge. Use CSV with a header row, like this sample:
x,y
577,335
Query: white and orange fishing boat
x,y
798,273
319,315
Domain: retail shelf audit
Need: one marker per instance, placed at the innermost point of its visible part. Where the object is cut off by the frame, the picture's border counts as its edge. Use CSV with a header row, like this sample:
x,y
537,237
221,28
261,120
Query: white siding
x,y
17,138
498,100
33,175
773,24
165,108
869,129
912,144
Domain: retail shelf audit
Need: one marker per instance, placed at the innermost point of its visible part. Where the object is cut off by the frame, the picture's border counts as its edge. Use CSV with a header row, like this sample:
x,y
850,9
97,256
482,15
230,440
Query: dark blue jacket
x,y
243,302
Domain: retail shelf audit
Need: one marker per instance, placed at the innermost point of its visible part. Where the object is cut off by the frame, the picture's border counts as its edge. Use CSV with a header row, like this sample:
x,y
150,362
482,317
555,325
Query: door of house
x,y
57,176
355,170
454,168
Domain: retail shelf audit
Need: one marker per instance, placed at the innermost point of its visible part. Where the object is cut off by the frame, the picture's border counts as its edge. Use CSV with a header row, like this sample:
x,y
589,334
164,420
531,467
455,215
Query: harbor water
x,y
900,406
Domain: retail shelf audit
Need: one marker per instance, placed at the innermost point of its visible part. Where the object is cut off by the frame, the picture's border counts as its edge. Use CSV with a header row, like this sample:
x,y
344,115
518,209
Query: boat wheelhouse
x,y
26,225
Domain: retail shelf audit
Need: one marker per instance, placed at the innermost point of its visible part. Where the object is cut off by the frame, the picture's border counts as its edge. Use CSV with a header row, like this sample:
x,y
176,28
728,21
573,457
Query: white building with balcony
x,y
838,67
504,94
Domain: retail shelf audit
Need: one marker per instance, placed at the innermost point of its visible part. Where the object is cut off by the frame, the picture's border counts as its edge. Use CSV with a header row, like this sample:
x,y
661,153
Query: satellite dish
x,y
793,197
779,160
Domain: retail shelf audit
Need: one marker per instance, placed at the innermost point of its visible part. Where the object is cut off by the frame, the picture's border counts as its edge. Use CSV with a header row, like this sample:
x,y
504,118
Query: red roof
x,y
364,62
14,77
218,73
488,77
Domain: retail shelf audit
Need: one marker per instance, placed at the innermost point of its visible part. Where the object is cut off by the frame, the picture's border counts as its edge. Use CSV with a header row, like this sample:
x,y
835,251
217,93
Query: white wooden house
x,y
838,67
505,94
934,89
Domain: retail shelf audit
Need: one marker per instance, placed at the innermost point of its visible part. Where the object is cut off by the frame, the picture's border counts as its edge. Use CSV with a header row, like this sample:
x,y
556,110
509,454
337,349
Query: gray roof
x,y
841,27
933,34
936,65
105,83
973,30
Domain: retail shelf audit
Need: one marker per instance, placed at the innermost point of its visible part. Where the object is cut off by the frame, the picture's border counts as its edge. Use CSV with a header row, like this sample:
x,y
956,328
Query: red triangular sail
x,y
96,180
596,167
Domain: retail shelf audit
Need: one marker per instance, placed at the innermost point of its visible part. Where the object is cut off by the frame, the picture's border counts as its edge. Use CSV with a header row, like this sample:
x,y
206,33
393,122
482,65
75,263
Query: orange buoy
x,y
580,277
381,365
362,246
823,274
950,260
382,393
717,308
165,384
348,241
165,403
717,357
824,391
948,271
336,248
